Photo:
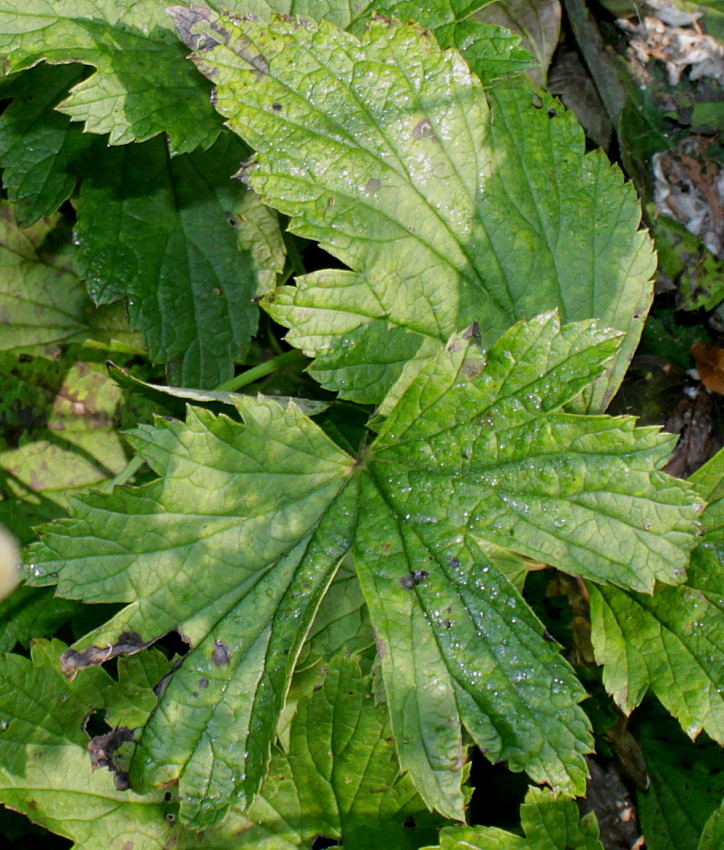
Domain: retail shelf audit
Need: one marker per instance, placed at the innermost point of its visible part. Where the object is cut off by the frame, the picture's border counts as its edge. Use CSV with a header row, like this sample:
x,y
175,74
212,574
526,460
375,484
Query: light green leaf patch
x,y
45,768
141,87
548,823
385,151
673,641
238,540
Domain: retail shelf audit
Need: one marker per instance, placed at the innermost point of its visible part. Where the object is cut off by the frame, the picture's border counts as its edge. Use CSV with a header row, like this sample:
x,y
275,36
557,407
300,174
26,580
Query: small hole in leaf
x,y
321,841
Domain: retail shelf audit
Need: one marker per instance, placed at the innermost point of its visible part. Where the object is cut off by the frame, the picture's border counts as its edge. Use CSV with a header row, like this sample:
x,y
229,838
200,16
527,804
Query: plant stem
x,y
262,370
128,471
248,377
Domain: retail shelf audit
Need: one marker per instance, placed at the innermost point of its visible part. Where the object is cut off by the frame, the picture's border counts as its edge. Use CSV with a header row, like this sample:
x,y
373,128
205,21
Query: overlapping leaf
x,y
339,776
385,151
237,541
548,823
672,641
42,300
180,240
41,153
141,87
45,769
685,781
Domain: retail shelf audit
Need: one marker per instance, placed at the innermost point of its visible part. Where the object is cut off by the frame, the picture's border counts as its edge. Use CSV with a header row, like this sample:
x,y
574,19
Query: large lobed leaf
x,y
672,641
237,541
446,210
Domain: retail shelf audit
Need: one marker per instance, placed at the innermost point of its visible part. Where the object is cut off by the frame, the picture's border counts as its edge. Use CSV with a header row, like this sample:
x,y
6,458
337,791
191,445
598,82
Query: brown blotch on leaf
x,y
128,644
103,750
423,130
186,20
220,654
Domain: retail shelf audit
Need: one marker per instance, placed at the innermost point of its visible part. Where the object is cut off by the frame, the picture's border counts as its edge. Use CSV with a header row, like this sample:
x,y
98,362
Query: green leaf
x,y
42,300
162,231
45,769
385,151
339,776
548,823
237,541
685,782
672,641
712,836
538,22
40,151
31,612
141,87
67,415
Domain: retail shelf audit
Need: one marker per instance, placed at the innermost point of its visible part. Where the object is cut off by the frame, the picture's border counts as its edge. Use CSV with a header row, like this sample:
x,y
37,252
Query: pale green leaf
x,y
45,769
142,85
42,300
236,553
384,150
548,823
237,541
673,641
161,231
70,440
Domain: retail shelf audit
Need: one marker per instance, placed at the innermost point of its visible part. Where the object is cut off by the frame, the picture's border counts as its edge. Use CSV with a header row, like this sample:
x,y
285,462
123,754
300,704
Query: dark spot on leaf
x,y
194,693
373,184
277,107
453,564
103,751
418,576
186,19
423,130
410,823
32,804
408,582
385,547
447,624
220,654
128,644
203,682
167,797
552,113
473,332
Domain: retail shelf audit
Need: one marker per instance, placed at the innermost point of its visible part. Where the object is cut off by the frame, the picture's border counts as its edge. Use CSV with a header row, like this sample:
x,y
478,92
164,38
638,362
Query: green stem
x,y
248,377
262,370
128,471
